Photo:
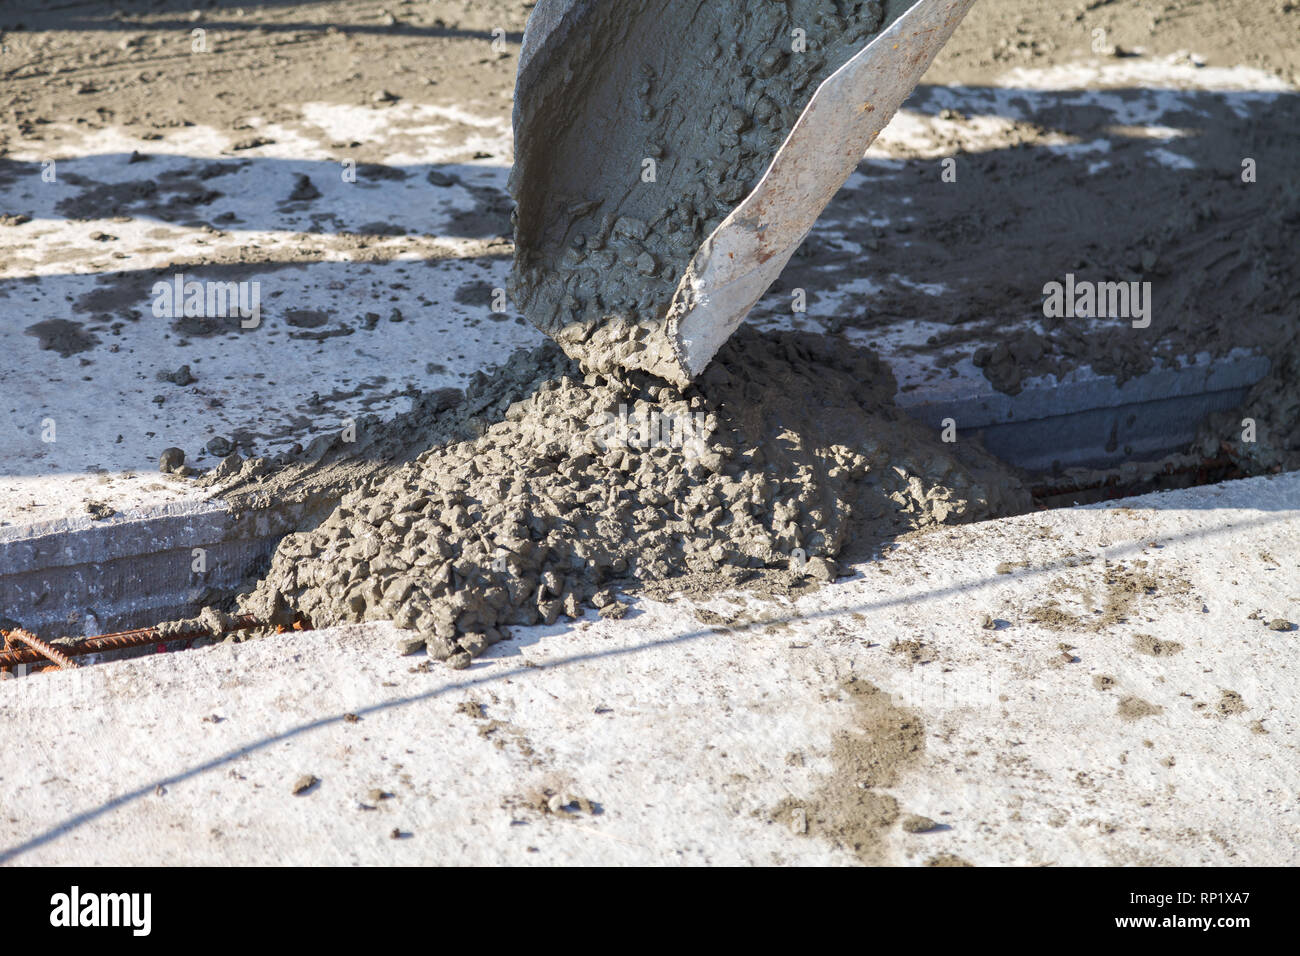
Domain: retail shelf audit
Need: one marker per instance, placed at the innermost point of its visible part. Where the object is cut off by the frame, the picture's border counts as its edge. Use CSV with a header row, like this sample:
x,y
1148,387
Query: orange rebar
x,y
118,641
45,650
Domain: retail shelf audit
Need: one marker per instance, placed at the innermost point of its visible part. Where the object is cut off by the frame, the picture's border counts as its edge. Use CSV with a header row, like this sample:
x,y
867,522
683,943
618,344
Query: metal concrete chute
x,y
619,271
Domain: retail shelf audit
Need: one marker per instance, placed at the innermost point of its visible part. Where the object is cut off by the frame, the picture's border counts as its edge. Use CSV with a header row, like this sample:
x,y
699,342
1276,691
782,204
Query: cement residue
x,y
1230,704
63,336
332,465
849,808
638,130
1135,708
216,624
1123,589
787,450
1148,644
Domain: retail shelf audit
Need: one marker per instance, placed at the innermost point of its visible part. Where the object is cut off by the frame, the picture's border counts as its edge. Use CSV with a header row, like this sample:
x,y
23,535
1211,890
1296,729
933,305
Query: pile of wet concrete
x,y
553,487
786,455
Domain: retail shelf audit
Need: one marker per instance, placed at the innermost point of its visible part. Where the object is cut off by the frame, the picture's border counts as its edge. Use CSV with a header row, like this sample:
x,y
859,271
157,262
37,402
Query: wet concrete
x,y
639,130
785,457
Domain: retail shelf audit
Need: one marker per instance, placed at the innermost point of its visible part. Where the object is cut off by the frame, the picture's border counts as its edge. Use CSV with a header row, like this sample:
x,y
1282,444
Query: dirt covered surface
x,y
130,64
1141,181
1216,251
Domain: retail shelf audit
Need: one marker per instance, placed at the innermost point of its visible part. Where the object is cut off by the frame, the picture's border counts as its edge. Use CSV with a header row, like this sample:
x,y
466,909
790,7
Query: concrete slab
x,y
1079,737
160,563
381,284
387,291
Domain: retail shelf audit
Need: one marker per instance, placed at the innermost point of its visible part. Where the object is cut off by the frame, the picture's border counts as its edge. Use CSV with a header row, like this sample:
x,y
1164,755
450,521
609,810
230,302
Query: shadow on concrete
x,y
1090,191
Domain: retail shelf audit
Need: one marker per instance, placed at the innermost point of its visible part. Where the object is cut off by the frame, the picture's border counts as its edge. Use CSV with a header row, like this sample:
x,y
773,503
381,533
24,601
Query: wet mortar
x,y
600,245
786,456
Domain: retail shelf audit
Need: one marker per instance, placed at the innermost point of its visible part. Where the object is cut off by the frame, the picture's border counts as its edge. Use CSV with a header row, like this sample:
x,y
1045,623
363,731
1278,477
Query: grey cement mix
x,y
786,455
637,134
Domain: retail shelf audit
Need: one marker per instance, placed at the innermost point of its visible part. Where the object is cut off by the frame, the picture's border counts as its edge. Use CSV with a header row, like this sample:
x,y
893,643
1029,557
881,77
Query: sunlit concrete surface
x,y
1136,725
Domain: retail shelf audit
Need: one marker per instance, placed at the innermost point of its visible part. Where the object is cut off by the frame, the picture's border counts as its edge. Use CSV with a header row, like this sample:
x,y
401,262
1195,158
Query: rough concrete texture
x,y
374,292
639,129
1137,725
786,454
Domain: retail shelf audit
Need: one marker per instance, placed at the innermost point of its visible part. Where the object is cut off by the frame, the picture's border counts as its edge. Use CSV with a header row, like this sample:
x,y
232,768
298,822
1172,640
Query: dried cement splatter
x,y
1230,704
1146,644
1135,708
1125,589
788,449
848,809
913,823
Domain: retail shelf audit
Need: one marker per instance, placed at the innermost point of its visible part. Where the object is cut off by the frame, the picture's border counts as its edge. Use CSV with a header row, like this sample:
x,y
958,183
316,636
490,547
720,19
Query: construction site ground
x,y
1100,685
